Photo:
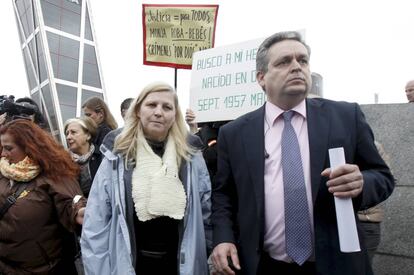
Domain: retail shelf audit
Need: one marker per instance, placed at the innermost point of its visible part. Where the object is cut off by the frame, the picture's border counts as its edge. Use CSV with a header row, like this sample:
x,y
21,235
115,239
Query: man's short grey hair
x,y
262,59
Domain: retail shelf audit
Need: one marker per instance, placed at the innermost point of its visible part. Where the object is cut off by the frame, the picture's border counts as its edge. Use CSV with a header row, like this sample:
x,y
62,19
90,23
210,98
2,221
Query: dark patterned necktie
x,y
297,221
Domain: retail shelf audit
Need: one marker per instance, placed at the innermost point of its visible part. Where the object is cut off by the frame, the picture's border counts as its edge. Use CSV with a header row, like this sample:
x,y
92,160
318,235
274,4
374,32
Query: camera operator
x,y
37,116
24,107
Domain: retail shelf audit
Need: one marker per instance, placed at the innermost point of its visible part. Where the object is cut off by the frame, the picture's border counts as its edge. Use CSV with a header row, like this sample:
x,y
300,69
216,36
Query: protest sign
x,y
223,82
172,33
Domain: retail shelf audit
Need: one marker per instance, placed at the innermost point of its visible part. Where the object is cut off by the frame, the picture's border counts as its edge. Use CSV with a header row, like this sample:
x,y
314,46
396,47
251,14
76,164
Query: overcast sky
x,y
359,47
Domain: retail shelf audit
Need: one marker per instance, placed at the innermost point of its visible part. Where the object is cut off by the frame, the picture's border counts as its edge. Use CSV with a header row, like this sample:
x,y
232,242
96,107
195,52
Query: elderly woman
x,y
80,133
98,111
148,210
39,196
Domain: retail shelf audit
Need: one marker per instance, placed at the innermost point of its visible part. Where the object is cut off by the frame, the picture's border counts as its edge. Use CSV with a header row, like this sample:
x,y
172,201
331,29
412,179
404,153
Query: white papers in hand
x,y
347,231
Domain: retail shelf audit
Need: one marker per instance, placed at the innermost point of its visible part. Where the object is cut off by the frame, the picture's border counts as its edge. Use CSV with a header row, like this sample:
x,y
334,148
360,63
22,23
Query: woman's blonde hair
x,y
97,104
126,142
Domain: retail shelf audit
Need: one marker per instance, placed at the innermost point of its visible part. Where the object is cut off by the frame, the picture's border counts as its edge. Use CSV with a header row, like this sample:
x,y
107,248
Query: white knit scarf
x,y
156,188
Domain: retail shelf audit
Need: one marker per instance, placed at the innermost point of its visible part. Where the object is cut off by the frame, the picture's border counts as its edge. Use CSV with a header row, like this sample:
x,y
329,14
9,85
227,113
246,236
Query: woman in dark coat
x,y
98,111
80,133
39,176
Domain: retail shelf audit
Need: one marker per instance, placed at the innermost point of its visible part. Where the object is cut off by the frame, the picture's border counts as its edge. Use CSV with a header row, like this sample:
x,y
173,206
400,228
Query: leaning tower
x,y
60,55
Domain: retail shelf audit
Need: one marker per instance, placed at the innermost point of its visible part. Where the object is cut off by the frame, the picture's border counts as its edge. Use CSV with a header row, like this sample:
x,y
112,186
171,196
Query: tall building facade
x,y
317,85
60,55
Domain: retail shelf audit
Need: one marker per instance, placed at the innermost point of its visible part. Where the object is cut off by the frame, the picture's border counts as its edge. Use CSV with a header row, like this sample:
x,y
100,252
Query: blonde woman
x,y
98,111
149,207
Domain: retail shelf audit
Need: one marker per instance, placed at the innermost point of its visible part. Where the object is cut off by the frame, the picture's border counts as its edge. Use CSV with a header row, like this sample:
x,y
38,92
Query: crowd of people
x,y
249,196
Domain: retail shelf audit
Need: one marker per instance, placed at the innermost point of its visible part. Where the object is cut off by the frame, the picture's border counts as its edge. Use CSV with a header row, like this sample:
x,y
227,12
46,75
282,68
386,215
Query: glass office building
x,y
60,56
317,85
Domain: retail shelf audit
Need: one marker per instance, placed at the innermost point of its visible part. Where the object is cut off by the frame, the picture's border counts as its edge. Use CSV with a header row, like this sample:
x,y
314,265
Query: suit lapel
x,y
253,141
318,129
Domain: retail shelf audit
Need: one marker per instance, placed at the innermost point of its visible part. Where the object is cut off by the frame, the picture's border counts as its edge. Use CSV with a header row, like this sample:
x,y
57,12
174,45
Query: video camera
x,y
16,110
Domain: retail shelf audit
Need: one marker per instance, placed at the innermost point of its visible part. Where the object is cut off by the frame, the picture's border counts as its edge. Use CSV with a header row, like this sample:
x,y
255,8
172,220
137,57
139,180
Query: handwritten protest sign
x,y
223,82
172,33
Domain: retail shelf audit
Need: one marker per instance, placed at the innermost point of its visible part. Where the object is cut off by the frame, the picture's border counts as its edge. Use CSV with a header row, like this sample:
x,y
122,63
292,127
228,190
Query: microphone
x,y
266,155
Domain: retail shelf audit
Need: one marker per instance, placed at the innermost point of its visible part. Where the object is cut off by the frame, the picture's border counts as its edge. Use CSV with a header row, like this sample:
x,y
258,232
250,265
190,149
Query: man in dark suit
x,y
252,194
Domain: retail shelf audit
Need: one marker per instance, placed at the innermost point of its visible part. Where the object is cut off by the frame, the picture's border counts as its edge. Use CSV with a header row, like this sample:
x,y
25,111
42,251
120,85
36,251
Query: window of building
x,y
47,96
88,29
64,53
36,97
88,94
67,100
64,15
90,75
25,11
41,59
29,69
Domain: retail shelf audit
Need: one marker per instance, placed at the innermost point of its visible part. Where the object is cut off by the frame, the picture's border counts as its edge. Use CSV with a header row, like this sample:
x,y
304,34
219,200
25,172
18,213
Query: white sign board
x,y
223,82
